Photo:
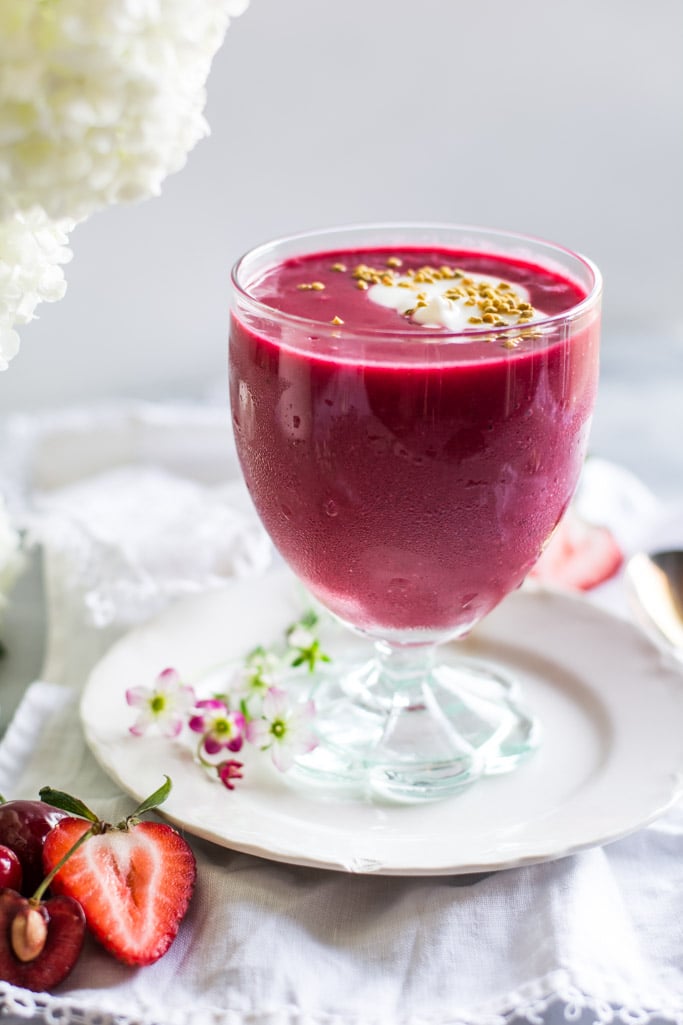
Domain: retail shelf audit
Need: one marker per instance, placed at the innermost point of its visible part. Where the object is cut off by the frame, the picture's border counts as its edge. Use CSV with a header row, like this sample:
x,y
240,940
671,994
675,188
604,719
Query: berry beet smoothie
x,y
412,484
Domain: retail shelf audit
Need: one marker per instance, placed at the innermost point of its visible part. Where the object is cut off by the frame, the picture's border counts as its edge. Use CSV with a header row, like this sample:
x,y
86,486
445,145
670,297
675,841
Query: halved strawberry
x,y
579,555
134,882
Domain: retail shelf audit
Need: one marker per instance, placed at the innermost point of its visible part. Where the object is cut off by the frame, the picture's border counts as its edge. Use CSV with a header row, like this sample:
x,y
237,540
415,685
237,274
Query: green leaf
x,y
154,800
255,654
65,802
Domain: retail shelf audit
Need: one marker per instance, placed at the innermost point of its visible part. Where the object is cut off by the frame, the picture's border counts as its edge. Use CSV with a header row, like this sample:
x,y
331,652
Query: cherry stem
x,y
95,828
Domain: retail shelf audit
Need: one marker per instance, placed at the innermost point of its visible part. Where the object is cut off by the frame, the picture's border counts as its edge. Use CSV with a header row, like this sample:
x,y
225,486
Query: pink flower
x,y
285,728
221,727
228,771
164,705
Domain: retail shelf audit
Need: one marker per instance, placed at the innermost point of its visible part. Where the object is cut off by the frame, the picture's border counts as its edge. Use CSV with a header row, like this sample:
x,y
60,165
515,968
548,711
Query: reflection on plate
x,y
611,758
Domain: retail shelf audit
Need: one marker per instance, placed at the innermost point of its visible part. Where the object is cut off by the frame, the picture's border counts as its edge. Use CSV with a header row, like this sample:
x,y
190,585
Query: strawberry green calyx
x,y
151,802
74,806
65,802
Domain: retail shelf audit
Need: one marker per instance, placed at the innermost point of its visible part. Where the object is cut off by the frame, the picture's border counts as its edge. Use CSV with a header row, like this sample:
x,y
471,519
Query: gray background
x,y
561,119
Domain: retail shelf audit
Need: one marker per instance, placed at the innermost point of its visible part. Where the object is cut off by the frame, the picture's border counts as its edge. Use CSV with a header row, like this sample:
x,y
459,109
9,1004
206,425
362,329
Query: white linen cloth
x,y
597,934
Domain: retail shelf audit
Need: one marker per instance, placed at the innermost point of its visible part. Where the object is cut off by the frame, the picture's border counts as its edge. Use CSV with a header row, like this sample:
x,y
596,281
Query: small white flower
x,y
32,250
257,675
301,638
164,705
11,555
285,728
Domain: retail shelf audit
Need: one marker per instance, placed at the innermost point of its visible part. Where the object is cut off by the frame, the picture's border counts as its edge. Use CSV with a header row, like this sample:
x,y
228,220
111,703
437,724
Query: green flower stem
x,y
200,759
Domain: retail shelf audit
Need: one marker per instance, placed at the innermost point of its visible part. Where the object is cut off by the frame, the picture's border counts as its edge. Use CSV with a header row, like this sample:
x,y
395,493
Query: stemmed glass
x,y
410,477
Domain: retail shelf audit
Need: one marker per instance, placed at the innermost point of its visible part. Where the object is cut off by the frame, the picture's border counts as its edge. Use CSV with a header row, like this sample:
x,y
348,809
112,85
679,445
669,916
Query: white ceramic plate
x,y
611,758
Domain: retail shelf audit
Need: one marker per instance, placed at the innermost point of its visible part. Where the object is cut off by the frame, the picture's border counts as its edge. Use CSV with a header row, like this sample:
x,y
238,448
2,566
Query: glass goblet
x,y
410,464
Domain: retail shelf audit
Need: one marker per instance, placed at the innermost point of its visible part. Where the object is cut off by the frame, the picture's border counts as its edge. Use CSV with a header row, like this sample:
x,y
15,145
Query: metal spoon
x,y
654,585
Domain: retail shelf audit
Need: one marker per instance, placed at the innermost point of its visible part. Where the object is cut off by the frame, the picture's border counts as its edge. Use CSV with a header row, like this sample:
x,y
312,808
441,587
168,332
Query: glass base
x,y
422,737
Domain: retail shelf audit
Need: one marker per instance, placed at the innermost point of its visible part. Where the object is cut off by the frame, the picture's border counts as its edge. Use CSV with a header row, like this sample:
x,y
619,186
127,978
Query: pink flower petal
x,y
276,703
172,727
186,697
142,724
214,704
257,731
138,696
211,745
167,679
283,757
302,715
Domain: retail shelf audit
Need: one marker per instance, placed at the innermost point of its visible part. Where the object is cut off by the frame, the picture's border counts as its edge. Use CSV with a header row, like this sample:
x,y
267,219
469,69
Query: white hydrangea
x,y
32,250
101,99
11,555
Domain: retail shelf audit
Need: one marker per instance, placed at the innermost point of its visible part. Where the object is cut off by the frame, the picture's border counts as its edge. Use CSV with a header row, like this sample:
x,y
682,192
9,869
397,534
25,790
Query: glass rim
x,y
414,332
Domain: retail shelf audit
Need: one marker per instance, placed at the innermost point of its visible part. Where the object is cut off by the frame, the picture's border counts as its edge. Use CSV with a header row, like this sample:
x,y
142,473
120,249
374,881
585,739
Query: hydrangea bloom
x,y
11,557
32,250
100,101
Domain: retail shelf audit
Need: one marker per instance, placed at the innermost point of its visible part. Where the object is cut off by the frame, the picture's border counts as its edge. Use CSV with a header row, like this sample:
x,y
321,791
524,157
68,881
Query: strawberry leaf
x,y
65,802
153,801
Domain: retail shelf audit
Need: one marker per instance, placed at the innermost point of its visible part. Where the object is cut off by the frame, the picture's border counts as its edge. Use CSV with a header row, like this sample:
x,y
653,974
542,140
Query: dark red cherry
x,y
23,828
10,869
39,942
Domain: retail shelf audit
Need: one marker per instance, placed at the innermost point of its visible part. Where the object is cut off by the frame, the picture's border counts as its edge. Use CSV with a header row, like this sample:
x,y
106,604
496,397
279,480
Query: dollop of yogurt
x,y
465,302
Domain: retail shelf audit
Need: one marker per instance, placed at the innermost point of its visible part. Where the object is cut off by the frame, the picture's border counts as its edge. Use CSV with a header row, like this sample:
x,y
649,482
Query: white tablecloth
x,y
271,944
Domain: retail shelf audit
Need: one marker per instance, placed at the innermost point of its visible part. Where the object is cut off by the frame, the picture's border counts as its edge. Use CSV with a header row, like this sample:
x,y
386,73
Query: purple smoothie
x,y
413,487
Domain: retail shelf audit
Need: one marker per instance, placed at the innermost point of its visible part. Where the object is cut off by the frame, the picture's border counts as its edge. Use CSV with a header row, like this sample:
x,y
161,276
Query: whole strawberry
x,y
134,880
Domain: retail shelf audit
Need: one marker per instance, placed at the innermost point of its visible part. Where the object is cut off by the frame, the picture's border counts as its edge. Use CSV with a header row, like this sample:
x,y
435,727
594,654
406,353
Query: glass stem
x,y
404,671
